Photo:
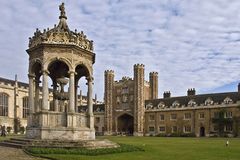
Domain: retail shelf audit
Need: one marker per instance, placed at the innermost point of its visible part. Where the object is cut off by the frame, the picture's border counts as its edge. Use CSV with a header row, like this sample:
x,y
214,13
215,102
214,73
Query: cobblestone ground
x,y
7,153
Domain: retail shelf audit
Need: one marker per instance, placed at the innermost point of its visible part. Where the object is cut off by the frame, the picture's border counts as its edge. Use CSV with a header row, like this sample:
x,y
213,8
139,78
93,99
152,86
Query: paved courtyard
x,y
15,154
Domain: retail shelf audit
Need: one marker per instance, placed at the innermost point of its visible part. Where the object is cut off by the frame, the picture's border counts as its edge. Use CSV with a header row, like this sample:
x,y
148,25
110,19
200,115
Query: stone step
x,y
22,139
16,141
21,142
13,145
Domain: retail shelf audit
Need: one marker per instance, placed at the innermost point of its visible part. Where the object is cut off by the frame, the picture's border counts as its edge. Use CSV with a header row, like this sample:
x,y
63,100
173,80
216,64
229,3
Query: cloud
x,y
191,43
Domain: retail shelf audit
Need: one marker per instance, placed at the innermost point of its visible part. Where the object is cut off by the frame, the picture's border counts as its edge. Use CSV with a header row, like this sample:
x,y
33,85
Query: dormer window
x,y
149,106
192,103
175,104
227,100
208,101
161,105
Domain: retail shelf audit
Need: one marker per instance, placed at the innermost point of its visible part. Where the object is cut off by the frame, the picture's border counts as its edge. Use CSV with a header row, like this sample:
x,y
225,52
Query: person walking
x,y
227,143
3,128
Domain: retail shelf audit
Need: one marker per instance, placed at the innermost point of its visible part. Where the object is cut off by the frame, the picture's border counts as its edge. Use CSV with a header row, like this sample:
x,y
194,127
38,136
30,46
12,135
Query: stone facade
x,y
194,115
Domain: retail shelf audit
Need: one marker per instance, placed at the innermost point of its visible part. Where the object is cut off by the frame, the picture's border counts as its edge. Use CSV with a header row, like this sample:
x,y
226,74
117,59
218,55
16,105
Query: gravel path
x,y
7,153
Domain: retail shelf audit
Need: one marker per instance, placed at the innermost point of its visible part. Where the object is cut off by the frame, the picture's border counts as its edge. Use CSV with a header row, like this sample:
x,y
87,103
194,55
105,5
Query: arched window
x,y
25,107
3,104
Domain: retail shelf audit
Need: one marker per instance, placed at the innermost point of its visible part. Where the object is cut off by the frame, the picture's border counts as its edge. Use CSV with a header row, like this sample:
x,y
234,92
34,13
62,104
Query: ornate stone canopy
x,y
61,57
61,34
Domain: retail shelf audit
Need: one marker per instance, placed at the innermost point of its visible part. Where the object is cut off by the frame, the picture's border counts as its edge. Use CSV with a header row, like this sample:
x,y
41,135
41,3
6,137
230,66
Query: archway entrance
x,y
202,132
125,124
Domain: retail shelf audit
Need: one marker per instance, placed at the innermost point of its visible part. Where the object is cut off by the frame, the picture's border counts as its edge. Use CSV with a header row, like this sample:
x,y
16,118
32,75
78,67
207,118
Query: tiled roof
x,y
199,99
12,82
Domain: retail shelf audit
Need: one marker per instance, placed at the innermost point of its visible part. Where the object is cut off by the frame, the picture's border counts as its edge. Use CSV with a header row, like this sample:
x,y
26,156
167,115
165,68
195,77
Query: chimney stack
x,y
167,94
191,92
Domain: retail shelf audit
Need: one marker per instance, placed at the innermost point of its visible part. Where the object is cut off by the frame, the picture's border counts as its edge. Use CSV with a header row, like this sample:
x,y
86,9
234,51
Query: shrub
x,y
161,135
84,151
188,135
175,135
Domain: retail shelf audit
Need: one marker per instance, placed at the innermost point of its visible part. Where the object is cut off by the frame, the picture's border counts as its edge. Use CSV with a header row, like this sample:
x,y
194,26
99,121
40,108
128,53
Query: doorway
x,y
202,132
125,124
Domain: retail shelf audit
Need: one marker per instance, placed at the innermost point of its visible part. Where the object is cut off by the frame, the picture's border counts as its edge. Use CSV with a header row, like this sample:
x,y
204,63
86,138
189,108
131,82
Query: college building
x,y
131,106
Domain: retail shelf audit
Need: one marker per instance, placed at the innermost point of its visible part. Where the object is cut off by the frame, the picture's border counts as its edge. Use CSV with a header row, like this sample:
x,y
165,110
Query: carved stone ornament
x,y
61,34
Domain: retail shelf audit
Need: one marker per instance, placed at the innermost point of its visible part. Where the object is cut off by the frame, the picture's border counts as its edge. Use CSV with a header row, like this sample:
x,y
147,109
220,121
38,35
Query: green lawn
x,y
160,148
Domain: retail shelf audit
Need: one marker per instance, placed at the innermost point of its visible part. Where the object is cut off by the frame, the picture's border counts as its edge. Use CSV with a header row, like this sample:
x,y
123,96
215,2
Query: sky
x,y
190,43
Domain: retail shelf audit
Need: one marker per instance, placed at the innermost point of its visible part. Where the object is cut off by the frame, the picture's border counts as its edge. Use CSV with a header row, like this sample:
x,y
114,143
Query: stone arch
x,y
125,124
87,66
58,69
35,66
81,71
52,60
4,93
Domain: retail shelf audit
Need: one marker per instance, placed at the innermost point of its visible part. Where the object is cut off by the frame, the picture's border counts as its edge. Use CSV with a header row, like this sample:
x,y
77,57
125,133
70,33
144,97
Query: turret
x,y
153,79
138,99
108,100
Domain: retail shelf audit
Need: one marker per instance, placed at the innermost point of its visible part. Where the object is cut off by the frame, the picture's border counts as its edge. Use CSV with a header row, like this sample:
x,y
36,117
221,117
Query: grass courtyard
x,y
161,148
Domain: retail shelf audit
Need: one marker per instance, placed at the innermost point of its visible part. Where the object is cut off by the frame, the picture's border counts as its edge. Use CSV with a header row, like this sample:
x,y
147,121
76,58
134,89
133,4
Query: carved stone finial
x,y
62,11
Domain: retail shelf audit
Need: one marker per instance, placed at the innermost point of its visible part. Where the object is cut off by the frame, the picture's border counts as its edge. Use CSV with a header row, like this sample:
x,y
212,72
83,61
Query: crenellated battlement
x,y
109,71
153,73
139,65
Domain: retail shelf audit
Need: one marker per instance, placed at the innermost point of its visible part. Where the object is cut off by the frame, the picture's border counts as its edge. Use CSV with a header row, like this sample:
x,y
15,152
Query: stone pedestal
x,y
58,125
